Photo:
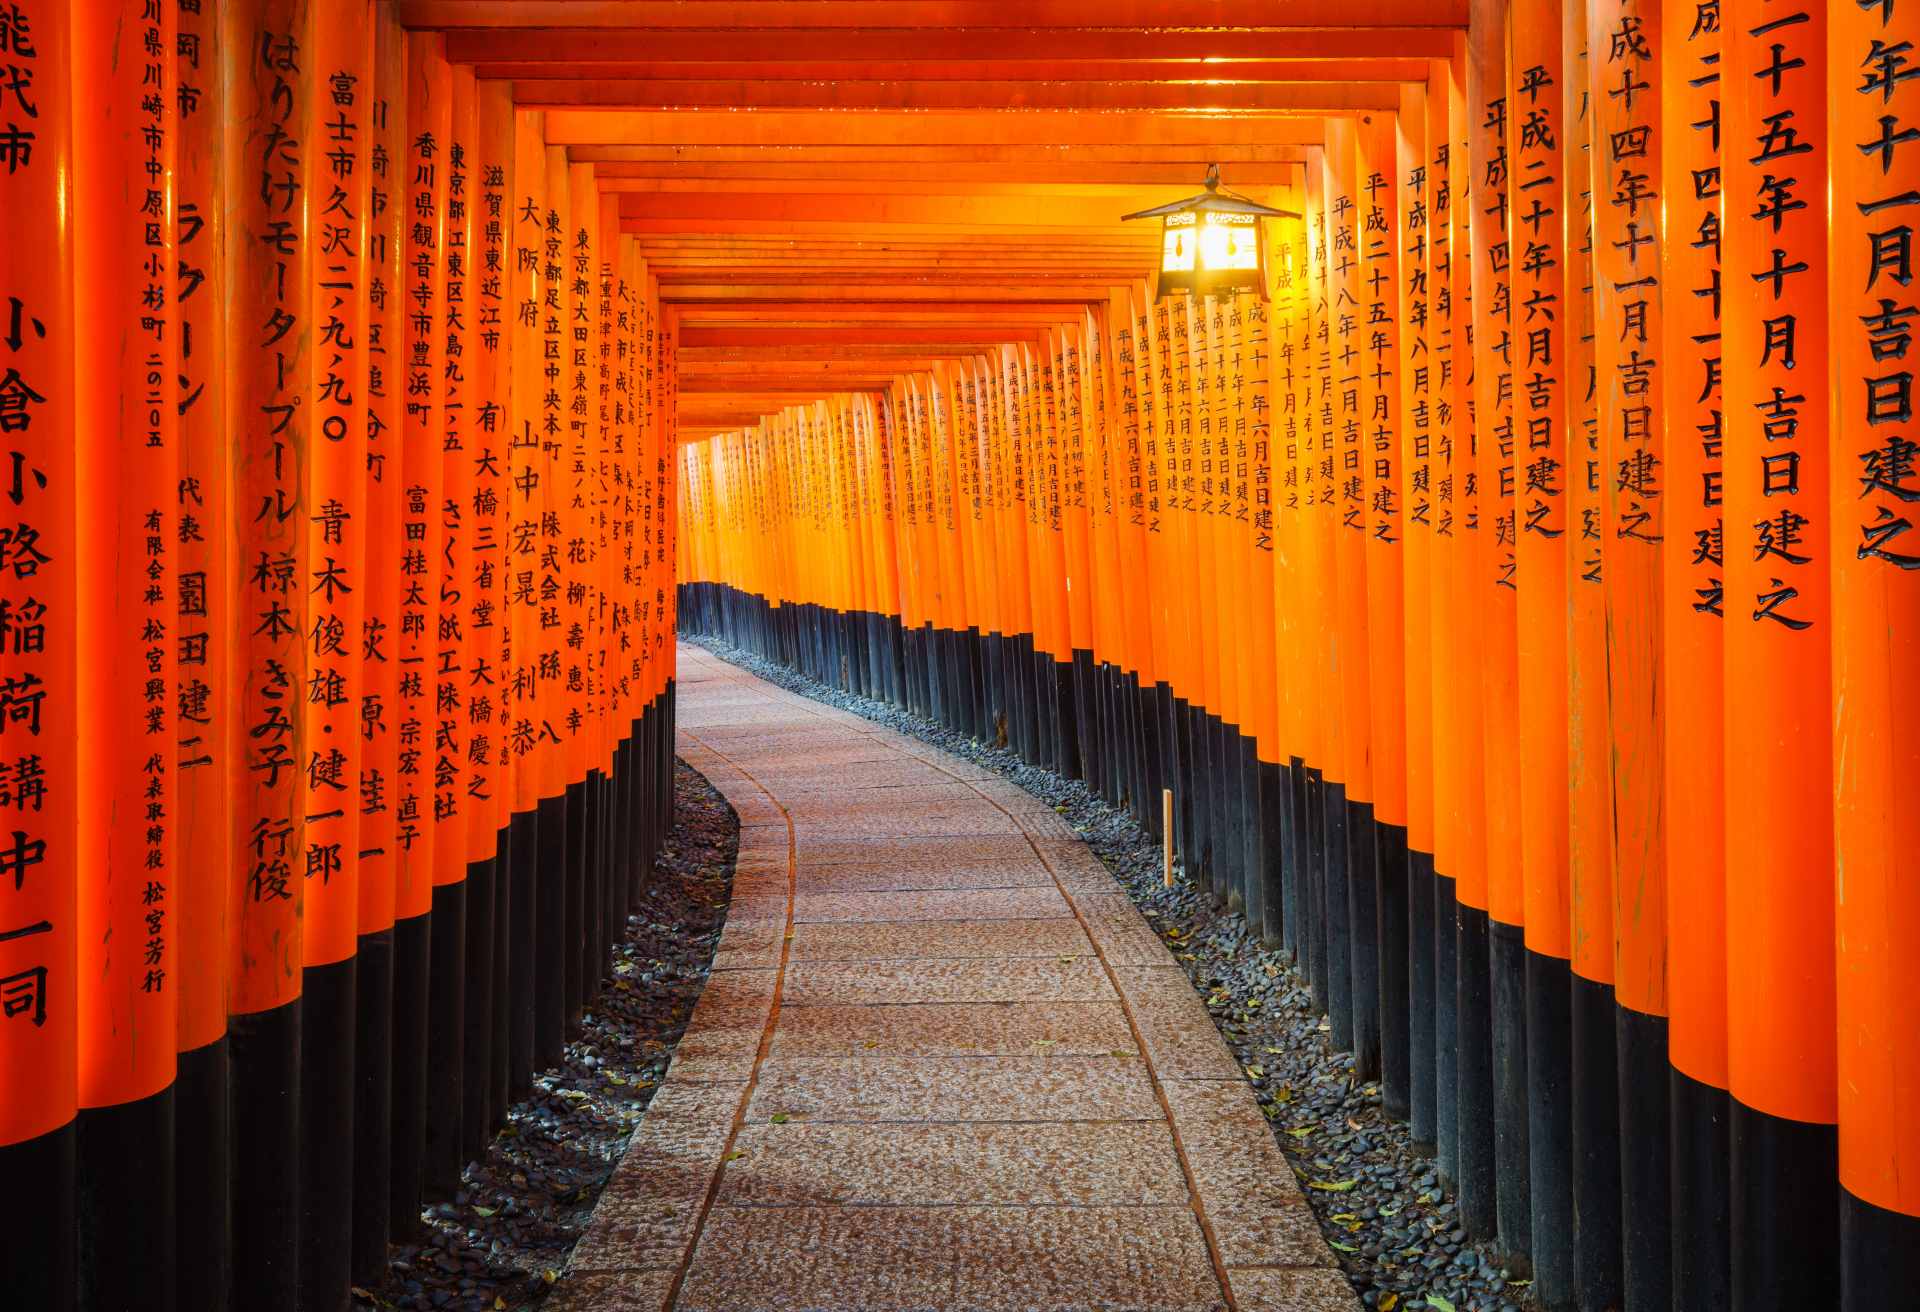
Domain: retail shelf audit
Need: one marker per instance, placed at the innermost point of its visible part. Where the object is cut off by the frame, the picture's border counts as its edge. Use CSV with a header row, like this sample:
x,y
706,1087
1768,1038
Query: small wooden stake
x,y
1166,834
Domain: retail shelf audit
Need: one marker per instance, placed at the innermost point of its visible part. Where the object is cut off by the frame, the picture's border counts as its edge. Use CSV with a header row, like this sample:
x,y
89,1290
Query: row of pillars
x,y
1522,604
336,614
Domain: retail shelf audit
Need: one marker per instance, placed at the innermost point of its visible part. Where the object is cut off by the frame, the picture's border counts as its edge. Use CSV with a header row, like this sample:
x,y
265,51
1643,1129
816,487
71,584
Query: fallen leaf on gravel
x,y
779,1118
1439,1304
484,1211
1345,1248
1388,1302
1333,1186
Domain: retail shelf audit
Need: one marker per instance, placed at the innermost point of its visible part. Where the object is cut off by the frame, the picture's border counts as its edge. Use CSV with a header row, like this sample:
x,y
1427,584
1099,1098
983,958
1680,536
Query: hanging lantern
x,y
1212,244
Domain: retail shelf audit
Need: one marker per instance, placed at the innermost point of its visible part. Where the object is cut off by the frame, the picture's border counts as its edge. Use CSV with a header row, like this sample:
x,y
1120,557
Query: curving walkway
x,y
942,1063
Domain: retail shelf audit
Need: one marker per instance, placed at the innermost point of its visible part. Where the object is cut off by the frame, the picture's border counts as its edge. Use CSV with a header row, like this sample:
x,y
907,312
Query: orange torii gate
x,y
1517,596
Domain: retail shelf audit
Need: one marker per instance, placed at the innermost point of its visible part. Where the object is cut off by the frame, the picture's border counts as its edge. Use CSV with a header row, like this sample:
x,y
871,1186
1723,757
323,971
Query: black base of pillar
x,y
1392,921
1646,1165
1702,1206
38,1264
476,1081
1785,1233
550,930
1506,960
1446,1030
203,1174
412,981
523,863
1473,1074
263,1050
446,1034
373,1107
328,1013
128,1236
1337,911
1422,992
1549,1017
1595,1112
1877,1248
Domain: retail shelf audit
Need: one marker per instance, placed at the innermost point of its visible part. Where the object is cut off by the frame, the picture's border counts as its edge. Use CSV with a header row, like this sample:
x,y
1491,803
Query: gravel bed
x,y
502,1241
1379,1202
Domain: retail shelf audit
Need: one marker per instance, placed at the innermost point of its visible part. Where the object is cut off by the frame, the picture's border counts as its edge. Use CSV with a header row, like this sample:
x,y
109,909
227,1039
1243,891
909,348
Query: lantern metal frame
x,y
1186,227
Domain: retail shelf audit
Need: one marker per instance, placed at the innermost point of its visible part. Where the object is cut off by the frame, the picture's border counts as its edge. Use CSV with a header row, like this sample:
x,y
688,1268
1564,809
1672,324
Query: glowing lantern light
x,y
1212,244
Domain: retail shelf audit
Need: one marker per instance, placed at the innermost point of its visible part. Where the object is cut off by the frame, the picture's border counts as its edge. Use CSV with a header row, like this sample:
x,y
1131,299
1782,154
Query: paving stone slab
x,y
970,1259
1054,1029
834,836
1291,1289
920,785
750,944
762,906
825,850
922,876
1119,930
649,1211
843,940
934,904
1117,1163
1018,979
1180,1037
618,1291
1105,1087
723,1035
1258,1213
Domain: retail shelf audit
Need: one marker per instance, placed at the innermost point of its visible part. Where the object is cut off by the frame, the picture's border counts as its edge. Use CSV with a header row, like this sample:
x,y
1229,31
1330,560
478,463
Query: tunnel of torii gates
x,y
1518,596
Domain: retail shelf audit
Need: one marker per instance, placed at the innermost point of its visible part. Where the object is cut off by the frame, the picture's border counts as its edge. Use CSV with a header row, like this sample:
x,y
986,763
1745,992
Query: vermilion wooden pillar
x,y
1624,65
520,558
488,680
1451,301
1775,148
209,737
337,551
1487,884
40,758
1382,854
376,807
1542,530
446,472
265,59
1424,356
1876,637
1693,600
421,195
1594,1105
126,463
1351,985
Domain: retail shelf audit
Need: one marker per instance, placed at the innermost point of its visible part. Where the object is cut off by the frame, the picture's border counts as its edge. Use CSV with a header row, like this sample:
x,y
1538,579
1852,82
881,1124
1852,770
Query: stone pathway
x,y
942,1064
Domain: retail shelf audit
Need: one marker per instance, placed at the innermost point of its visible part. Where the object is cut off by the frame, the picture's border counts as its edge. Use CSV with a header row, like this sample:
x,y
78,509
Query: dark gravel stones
x,y
501,1242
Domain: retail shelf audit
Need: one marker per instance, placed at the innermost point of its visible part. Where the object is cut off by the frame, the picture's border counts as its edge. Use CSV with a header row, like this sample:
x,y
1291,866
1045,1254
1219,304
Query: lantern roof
x,y
1212,201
